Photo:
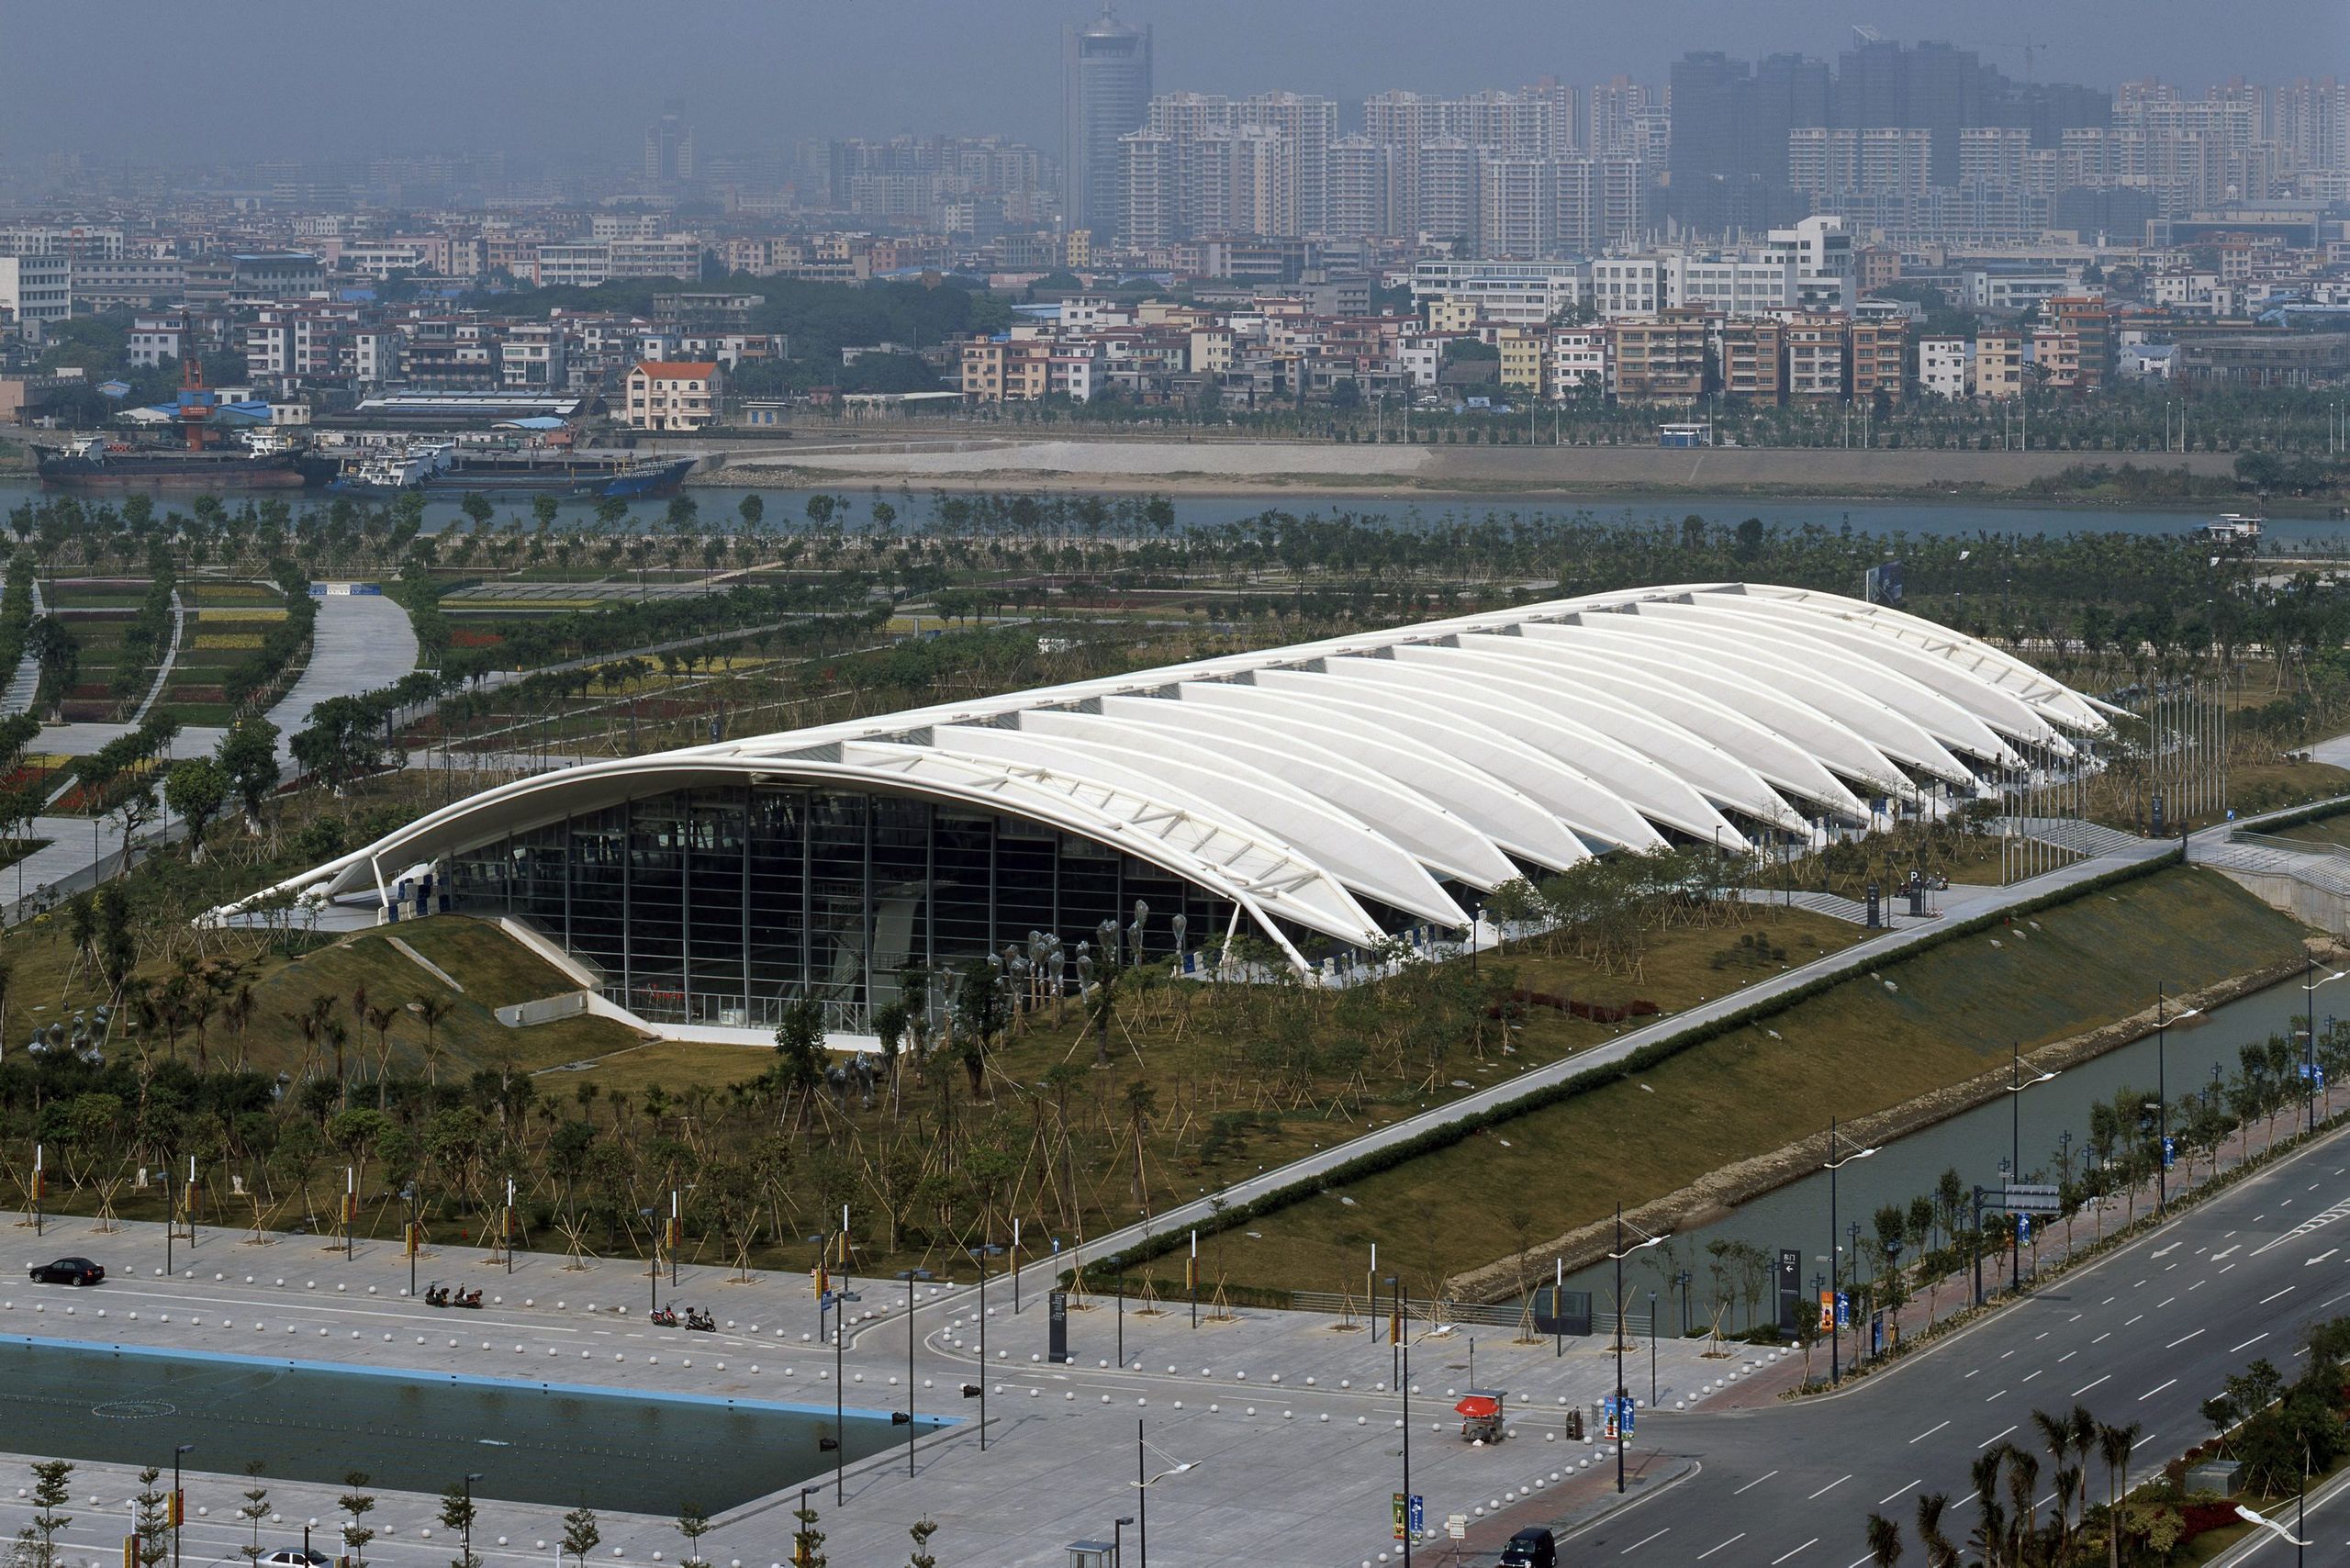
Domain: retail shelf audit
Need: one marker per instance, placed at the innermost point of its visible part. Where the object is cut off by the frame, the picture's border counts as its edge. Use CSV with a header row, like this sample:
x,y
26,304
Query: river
x,y
719,505
1973,1143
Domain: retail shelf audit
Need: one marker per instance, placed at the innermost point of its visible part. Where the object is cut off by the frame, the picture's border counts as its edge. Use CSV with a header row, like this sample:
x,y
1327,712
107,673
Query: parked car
x,y
69,1271
293,1557
1532,1547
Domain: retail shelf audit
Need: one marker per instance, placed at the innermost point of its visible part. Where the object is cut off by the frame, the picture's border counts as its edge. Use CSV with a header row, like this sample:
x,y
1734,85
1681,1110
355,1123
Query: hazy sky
x,y
256,79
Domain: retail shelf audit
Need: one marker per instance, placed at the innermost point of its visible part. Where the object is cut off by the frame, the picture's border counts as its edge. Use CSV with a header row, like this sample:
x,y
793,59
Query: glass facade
x,y
721,905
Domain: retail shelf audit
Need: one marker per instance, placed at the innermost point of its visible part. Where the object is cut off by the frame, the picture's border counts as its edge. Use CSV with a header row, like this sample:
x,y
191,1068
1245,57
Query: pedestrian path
x,y
23,682
2072,833
362,641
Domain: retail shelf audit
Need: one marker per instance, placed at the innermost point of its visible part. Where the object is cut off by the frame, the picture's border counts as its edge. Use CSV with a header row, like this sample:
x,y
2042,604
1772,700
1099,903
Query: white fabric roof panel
x,y
1381,765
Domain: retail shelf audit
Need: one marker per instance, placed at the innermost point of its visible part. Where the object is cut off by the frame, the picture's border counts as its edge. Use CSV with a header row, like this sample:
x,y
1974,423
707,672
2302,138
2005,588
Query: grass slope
x,y
1859,1047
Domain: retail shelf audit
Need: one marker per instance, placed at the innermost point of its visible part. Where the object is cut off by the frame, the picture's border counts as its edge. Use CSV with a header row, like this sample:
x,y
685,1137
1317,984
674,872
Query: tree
x,y
477,507
52,1489
753,509
807,1541
252,1510
150,1519
457,1513
693,1523
2113,1446
581,1534
358,1504
248,758
799,1050
196,788
1885,1541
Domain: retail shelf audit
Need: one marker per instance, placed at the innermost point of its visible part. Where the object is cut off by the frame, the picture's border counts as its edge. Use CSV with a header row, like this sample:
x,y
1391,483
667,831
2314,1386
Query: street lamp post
x,y
2016,1085
1144,1481
1835,1274
981,1254
1618,1257
1652,1350
413,1238
2162,1096
2308,1019
167,1223
179,1500
1403,1387
1117,1541
912,1277
468,1546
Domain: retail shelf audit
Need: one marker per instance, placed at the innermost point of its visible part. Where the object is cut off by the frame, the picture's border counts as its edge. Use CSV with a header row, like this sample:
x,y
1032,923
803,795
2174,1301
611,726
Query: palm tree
x,y
2023,1486
1939,1551
2113,1446
2084,1445
2057,1436
1885,1541
1990,1534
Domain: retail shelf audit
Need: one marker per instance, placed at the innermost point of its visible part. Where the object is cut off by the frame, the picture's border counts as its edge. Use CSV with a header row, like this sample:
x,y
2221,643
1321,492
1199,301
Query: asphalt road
x,y
2145,1335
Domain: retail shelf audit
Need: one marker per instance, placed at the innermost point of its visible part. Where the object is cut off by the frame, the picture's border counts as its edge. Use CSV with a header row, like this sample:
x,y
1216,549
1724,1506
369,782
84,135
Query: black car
x,y
69,1271
1532,1547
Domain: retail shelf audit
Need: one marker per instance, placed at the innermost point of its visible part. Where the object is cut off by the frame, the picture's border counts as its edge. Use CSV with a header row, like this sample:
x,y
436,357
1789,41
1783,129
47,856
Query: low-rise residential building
x,y
1876,361
1660,358
1578,364
1816,350
672,395
1753,358
1999,359
1946,367
156,340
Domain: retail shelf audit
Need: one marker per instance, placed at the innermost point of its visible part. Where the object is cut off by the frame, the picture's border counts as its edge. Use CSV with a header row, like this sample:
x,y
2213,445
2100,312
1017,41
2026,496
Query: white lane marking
x,y
2266,1299
1987,1398
1765,1476
2314,1222
2166,1251
2067,1357
2320,1257
2035,1374
2087,1386
1994,1438
2157,1389
2182,1340
2102,1338
1899,1491
1643,1542
1807,1546
1711,1550
2217,1256
2256,1339
1920,1437
1827,1489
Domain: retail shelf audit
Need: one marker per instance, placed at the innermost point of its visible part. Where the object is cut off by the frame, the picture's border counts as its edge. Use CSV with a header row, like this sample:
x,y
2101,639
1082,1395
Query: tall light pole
x,y
1144,1481
179,1500
1835,1273
981,1254
2162,1096
467,1550
1618,1257
2309,1017
2016,1085
912,1277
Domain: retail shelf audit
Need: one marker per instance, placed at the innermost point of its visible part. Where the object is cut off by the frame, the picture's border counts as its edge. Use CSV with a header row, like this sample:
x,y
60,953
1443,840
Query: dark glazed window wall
x,y
721,905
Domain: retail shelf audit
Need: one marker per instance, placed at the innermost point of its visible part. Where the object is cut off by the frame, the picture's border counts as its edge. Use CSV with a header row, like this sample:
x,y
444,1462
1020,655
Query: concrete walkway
x,y
363,642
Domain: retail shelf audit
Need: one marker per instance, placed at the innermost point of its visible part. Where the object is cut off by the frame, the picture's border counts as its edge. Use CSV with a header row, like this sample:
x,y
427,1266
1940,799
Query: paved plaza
x,y
1290,1421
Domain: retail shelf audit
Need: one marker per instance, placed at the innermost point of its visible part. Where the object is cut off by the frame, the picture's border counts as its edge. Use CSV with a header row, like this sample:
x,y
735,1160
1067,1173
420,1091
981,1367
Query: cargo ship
x,y
261,460
95,463
445,468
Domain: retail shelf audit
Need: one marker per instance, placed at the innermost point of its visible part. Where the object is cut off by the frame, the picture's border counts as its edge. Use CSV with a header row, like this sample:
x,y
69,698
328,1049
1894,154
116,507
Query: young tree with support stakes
x,y
457,1513
581,1535
252,1510
150,1519
693,1523
356,1503
921,1530
52,1489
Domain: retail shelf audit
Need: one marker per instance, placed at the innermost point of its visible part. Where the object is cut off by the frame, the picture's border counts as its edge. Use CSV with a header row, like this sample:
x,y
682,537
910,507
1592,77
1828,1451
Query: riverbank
x,y
1703,1202
1213,466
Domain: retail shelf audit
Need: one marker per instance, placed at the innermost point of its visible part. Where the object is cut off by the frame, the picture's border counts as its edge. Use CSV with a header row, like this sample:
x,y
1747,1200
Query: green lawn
x,y
1857,1049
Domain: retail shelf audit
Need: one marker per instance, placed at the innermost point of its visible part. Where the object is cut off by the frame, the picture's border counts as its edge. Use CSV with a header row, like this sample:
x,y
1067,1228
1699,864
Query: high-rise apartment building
x,y
1105,95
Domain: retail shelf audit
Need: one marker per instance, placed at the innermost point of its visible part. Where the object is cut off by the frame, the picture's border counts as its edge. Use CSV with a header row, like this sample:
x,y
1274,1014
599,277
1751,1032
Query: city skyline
x,y
754,76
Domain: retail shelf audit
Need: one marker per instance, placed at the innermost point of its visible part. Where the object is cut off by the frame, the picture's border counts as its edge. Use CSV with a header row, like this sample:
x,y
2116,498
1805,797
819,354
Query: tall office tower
x,y
1105,93
1364,191
669,148
1789,92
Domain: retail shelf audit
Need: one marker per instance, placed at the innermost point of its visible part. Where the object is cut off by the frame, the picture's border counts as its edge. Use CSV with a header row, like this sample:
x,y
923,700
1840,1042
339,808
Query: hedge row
x,y
1641,1060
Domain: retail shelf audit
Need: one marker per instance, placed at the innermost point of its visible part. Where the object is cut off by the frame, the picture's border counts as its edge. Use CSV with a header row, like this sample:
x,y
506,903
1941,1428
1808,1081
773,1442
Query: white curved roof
x,y
1403,766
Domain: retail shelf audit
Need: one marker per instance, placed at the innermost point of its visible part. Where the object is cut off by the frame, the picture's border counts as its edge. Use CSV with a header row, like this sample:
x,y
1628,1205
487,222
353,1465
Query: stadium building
x,y
1323,797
